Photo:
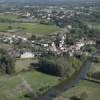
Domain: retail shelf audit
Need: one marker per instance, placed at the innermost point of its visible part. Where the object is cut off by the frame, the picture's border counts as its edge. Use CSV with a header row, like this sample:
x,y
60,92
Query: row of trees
x,y
59,66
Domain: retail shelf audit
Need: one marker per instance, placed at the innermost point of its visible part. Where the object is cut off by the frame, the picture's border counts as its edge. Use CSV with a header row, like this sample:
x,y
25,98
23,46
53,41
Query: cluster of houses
x,y
70,49
12,39
55,44
47,13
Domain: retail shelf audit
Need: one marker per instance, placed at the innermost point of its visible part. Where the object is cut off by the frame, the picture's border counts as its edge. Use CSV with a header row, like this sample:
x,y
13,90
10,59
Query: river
x,y
66,85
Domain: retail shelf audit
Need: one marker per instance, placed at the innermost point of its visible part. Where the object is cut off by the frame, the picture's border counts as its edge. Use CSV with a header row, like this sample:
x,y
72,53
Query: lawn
x,y
35,28
14,87
92,89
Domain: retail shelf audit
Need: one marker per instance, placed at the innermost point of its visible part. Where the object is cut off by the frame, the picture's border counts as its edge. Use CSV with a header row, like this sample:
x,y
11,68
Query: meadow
x,y
15,87
35,28
95,67
24,64
97,26
92,90
8,16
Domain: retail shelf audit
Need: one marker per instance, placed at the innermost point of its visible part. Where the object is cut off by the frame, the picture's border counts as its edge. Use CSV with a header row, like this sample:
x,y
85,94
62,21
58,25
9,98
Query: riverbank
x,y
67,84
90,88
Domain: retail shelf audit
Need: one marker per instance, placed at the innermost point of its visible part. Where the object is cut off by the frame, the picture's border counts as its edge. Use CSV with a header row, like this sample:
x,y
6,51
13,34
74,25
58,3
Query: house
x,y
52,47
27,55
90,42
69,27
79,45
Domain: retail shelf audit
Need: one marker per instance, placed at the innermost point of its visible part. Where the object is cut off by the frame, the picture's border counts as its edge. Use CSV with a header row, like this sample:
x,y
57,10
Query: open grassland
x,y
15,87
92,89
35,28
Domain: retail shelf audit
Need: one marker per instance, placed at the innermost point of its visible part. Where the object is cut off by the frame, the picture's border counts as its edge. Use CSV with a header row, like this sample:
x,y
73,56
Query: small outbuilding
x,y
27,55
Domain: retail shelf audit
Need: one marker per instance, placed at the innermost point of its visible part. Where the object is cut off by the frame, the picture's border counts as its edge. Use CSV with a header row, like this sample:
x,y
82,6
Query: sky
x,y
48,0
45,0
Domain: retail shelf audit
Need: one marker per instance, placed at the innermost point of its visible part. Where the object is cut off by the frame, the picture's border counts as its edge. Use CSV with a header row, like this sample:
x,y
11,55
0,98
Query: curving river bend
x,y
66,85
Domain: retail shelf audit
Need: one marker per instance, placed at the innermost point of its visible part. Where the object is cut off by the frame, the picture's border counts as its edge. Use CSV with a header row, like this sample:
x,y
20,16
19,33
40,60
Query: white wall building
x,y
27,55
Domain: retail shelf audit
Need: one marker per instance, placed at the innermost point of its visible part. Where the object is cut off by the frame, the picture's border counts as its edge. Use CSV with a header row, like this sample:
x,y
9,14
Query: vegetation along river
x,y
66,85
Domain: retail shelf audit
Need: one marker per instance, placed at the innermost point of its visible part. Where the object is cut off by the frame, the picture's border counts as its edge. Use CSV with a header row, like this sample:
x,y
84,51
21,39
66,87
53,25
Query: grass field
x,y
8,16
92,89
35,28
95,67
5,46
15,87
24,64
97,26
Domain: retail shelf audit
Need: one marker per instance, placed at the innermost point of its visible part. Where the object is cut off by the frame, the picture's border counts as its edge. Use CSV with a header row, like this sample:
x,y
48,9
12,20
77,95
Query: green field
x,y
95,67
97,26
92,89
15,87
5,46
24,64
35,28
8,16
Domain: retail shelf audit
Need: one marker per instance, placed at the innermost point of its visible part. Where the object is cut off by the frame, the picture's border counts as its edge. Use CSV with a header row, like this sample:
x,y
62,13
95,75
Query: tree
x,y
59,66
33,37
74,98
10,27
96,59
96,75
6,62
54,65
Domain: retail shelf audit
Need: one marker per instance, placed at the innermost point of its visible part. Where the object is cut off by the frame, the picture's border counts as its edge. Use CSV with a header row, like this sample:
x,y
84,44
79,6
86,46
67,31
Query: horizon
x,y
49,2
